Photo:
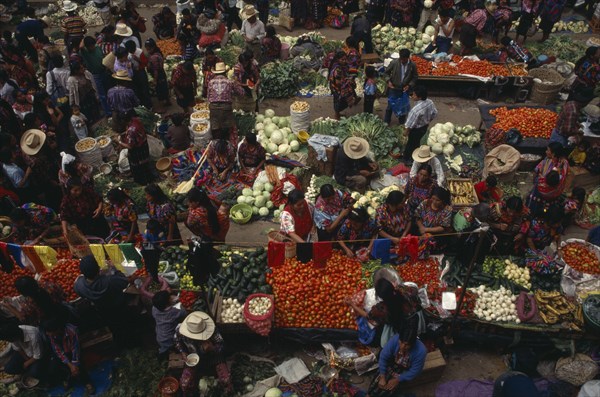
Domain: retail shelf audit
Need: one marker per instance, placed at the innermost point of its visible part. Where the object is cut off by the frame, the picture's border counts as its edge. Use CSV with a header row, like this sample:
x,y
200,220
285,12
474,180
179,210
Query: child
x,y
154,232
578,155
370,89
79,122
487,192
151,249
573,205
166,317
370,325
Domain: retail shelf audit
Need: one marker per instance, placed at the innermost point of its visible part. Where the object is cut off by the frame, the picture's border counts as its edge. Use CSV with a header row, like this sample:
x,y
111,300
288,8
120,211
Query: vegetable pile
x,y
259,198
519,275
494,266
554,308
310,297
531,122
387,39
462,192
422,272
581,258
6,230
7,281
169,47
495,305
370,127
64,273
231,311
443,137
372,199
259,306
280,79
274,133
461,66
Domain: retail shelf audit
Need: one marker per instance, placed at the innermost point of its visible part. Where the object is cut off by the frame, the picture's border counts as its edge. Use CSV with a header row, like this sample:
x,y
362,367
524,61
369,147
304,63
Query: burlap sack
x,y
503,160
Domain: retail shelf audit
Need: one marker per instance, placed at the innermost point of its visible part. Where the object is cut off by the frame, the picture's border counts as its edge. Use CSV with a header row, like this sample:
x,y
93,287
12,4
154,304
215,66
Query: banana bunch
x,y
554,308
462,192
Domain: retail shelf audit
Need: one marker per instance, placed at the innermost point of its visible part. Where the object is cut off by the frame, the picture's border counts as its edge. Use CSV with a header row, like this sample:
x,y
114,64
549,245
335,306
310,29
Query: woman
x,y
251,156
138,153
474,26
529,11
162,210
134,20
549,179
401,13
72,167
271,45
331,209
22,103
544,228
357,234
506,220
165,23
550,13
247,75
342,85
419,188
297,218
122,217
83,92
221,158
587,70
156,69
205,219
393,218
197,334
32,223
352,54
82,207
434,216
51,116
185,85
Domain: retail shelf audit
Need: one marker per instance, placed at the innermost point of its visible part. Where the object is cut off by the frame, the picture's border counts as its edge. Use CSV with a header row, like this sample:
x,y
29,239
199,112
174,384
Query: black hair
x,y
370,72
71,168
395,197
6,155
243,58
426,167
200,197
57,61
584,144
73,182
515,203
384,290
18,215
108,29
327,191
251,138
74,67
505,41
53,324
421,92
554,214
578,193
186,11
89,41
295,196
153,225
491,181
553,178
442,194
5,140
188,65
404,53
270,31
29,287
177,119
443,12
221,146
557,149
589,53
359,215
44,39
157,193
161,300
30,12
117,195
121,52
130,46
29,121
10,332
352,42
38,101
209,51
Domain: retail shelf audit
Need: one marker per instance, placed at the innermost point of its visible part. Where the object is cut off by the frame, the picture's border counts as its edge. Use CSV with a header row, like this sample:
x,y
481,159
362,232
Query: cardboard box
x,y
432,371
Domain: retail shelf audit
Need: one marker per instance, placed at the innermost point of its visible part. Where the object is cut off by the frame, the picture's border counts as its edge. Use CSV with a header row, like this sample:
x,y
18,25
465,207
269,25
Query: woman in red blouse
x,y
82,207
204,218
138,152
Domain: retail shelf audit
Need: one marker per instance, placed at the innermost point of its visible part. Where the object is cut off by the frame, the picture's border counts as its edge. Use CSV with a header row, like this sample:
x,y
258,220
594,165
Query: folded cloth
x,y
321,142
275,253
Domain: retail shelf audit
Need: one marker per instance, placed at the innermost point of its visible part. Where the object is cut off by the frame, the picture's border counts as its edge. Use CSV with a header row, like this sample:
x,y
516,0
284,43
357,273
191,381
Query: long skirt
x,y
221,116
139,160
162,86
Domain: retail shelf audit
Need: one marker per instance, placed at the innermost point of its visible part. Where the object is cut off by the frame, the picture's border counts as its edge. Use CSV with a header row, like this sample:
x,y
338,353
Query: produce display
x,y
311,297
64,273
232,311
259,306
495,305
274,133
422,272
200,128
200,106
555,308
200,114
462,192
259,198
444,137
5,229
299,106
531,122
560,26
282,78
581,258
245,373
7,281
169,47
388,39
519,275
85,144
494,266
460,66
545,282
372,199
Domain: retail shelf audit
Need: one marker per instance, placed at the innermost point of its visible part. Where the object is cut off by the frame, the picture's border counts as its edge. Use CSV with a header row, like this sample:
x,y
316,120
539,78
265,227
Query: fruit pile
x,y
7,281
310,297
531,122
581,258
494,266
422,272
465,66
64,273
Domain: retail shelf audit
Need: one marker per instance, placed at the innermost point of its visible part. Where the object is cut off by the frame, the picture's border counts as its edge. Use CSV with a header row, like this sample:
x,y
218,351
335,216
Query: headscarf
x,y
66,159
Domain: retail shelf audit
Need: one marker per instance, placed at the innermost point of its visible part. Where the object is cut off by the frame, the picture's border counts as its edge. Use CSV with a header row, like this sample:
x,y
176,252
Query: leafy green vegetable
x,y
322,126
370,127
229,54
245,122
560,46
137,375
280,80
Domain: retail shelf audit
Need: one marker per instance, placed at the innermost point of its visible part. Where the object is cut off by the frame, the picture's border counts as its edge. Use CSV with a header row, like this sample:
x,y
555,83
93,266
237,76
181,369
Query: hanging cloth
x,y
48,255
31,254
131,254
113,251
275,253
16,251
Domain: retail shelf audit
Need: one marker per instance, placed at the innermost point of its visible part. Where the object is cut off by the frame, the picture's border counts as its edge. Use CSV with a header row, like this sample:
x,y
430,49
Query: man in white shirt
x,y
103,8
253,30
423,155
26,349
56,79
418,120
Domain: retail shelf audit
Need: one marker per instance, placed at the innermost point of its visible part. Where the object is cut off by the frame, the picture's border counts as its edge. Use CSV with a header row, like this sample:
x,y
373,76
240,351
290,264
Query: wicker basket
x,y
6,221
545,93
529,163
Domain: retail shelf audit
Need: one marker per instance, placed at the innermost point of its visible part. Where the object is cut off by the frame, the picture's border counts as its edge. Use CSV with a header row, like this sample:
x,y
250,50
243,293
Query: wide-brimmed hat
x,y
592,111
123,30
395,55
198,326
248,11
356,148
219,68
32,141
121,75
69,6
422,154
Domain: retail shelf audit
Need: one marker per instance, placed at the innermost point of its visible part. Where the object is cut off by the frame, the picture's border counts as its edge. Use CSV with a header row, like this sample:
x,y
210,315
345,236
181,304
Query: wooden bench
x,y
432,371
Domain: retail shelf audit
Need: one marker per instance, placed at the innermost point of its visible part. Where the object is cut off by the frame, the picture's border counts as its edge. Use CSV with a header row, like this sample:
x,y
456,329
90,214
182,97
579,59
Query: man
x,y
220,92
92,59
103,8
138,61
253,30
568,127
424,155
72,25
418,121
352,167
30,27
104,289
361,31
56,80
26,350
233,14
185,85
124,33
121,98
403,77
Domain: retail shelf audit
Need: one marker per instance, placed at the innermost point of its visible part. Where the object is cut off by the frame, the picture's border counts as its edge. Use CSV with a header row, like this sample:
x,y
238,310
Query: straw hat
x,y
123,30
592,111
248,11
219,68
46,19
69,6
356,148
198,326
32,141
422,154
121,75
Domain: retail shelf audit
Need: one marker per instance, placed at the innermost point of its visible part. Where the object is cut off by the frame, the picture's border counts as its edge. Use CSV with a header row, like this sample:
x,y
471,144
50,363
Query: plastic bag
x,y
156,147
123,161
299,121
400,105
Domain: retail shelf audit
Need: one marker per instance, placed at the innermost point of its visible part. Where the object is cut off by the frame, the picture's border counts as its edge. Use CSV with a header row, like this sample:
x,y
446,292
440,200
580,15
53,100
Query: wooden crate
x,y
432,371
216,309
462,180
322,167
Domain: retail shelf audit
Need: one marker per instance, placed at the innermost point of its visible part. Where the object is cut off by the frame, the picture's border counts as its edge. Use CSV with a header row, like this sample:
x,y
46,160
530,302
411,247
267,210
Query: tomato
x,y
421,272
531,123
581,258
64,273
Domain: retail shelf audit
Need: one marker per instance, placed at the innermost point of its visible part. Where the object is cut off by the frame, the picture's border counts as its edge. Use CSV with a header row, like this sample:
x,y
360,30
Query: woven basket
x,y
529,163
576,370
544,93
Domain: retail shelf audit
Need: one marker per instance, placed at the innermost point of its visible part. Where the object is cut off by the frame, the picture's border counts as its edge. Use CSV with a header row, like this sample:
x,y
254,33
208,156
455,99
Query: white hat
x,y
121,74
422,154
198,326
69,6
219,68
592,111
356,148
395,55
248,11
32,141
123,30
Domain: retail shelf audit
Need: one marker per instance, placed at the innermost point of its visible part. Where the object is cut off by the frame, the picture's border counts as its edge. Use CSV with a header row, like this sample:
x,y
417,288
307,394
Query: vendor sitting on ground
x,y
331,209
179,135
32,223
25,352
488,191
122,216
419,187
543,228
353,168
444,30
221,158
271,46
506,218
434,216
251,156
424,155
198,335
393,218
297,218
357,234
